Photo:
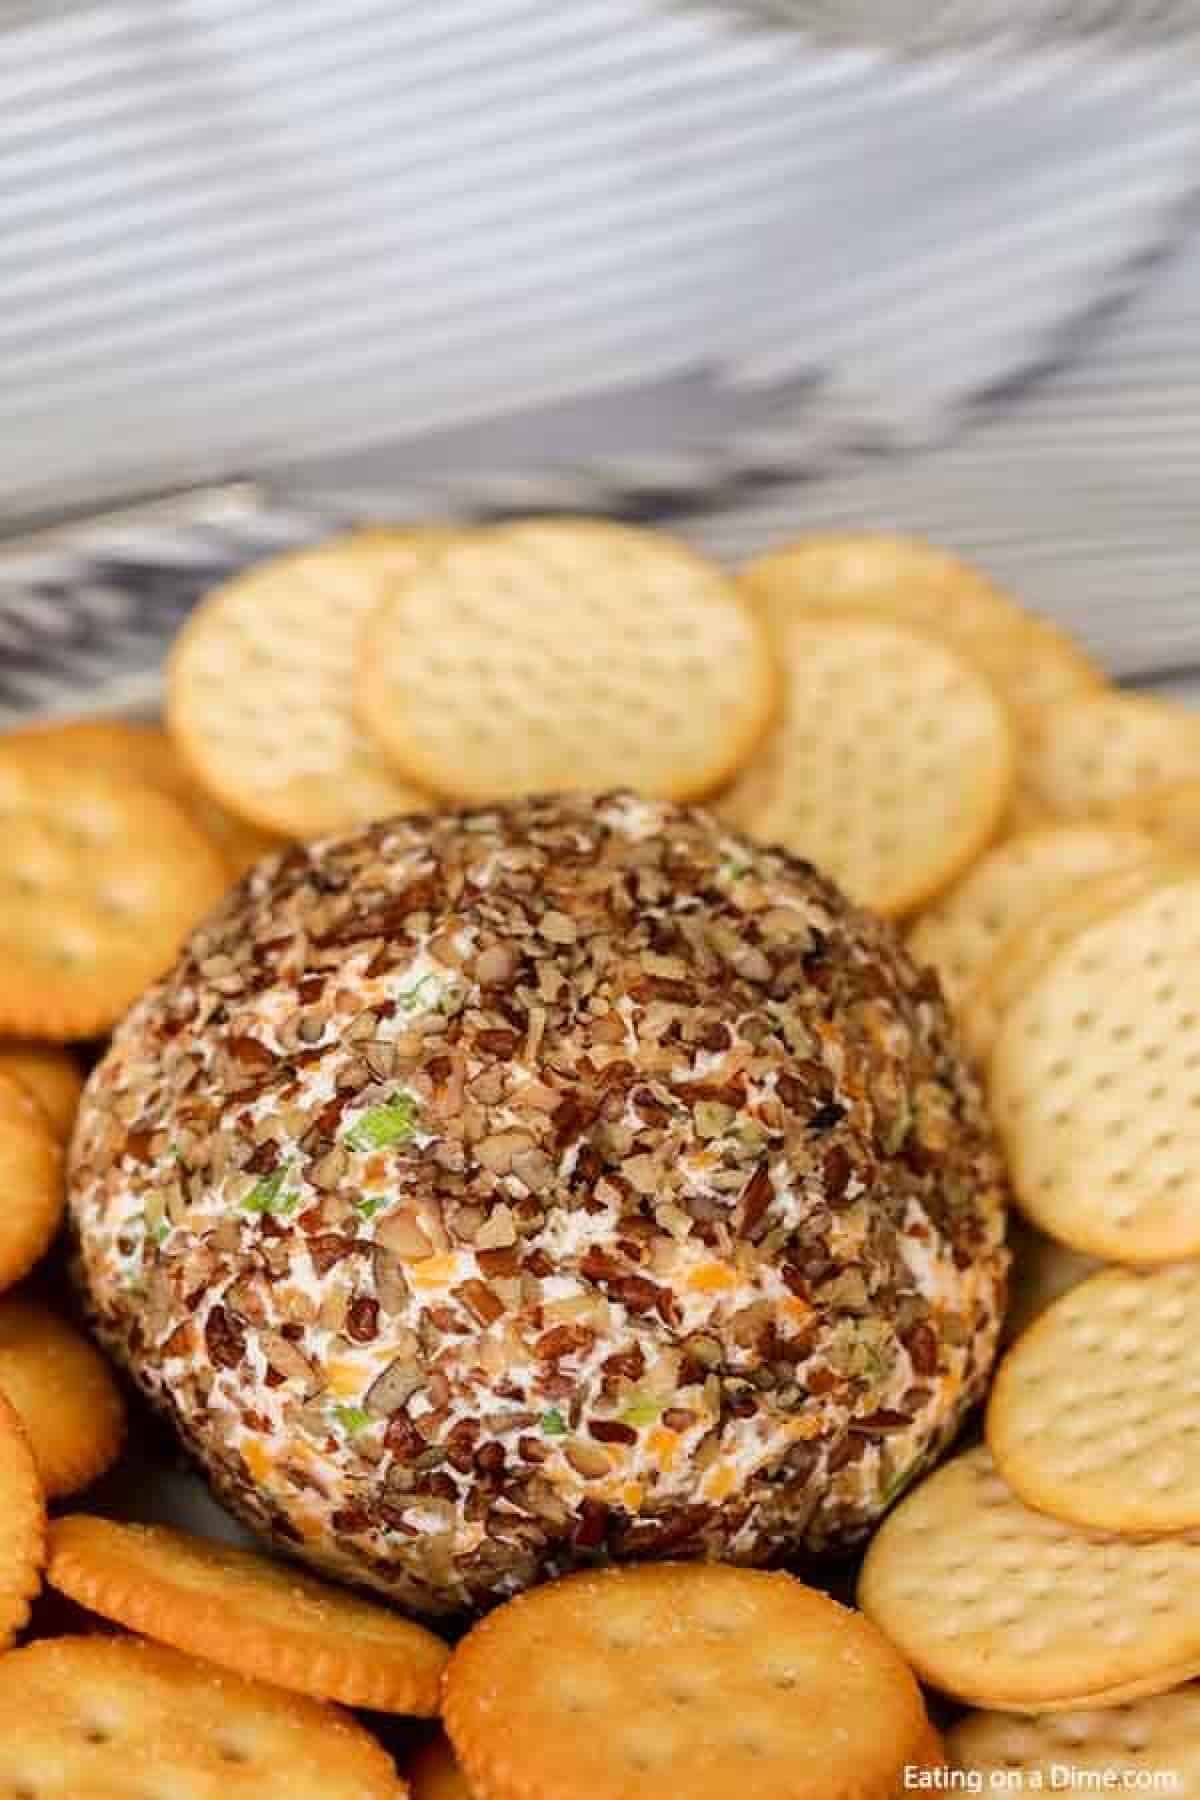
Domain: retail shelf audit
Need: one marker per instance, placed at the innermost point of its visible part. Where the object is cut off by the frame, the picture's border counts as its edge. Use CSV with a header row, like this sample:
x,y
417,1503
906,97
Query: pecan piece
x,y
224,1339
480,1301
389,1391
328,1249
612,1431
757,1195
391,1285
287,1361
362,1320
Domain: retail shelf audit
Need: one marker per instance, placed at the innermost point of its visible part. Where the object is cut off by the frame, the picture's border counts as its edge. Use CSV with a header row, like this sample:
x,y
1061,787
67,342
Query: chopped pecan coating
x,y
488,1192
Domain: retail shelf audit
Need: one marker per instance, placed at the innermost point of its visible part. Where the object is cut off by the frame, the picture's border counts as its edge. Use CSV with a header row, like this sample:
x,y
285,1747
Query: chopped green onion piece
x,y
411,999
899,1127
394,1121
267,1195
369,1204
351,1418
898,1483
643,1411
553,1423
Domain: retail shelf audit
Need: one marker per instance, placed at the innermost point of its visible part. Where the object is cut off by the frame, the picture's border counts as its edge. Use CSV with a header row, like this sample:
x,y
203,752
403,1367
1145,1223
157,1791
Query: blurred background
x,y
739,269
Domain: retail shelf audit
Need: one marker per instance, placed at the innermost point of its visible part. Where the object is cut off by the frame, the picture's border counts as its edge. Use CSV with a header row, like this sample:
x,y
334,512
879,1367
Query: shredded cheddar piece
x,y
720,1482
433,1271
257,1458
664,1447
711,1278
345,1380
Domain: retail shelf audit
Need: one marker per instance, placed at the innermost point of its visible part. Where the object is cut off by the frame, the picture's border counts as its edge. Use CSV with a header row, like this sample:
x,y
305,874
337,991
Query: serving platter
x,y
85,616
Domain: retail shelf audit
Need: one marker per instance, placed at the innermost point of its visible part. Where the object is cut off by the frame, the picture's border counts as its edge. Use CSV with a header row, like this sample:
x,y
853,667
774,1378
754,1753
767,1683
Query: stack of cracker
x,y
1051,1578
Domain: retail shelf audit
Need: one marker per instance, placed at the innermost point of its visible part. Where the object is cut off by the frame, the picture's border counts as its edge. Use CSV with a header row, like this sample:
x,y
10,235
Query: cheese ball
x,y
490,1193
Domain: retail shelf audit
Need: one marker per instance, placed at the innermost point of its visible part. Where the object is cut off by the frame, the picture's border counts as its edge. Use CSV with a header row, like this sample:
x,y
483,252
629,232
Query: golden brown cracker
x,y
1093,753
890,765
102,878
1151,1745
134,749
259,693
51,1075
932,1751
397,549
1093,1083
31,1180
1030,661
141,751
1164,1682
1170,812
247,1612
679,1678
63,1392
1093,1413
1011,885
22,1525
930,1755
113,1718
1003,1606
567,654
1022,954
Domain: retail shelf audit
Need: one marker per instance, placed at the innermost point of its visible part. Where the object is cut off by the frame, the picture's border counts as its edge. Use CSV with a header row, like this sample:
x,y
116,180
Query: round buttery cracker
x,y
31,1182
1023,953
136,750
1011,885
1003,1606
890,764
679,1678
247,1612
22,1525
567,654
1029,661
931,1752
64,1394
434,1773
395,549
1093,1414
1163,1682
94,1718
101,880
1092,753
259,689
1170,812
1153,1745
51,1075
1095,1084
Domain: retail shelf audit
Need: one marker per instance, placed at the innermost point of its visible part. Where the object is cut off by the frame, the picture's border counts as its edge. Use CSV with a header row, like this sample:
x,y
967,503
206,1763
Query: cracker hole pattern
x,y
1108,1451
1095,1100
1122,1608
